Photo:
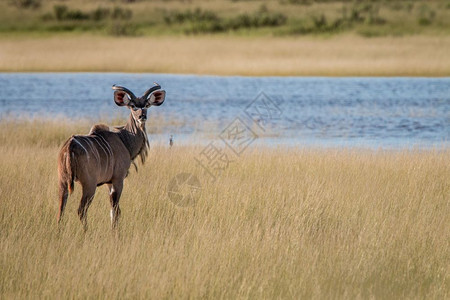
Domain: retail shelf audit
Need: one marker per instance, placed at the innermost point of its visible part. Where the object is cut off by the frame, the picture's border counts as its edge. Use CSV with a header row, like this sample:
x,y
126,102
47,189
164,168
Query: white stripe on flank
x,y
105,147
108,147
111,154
78,142
93,148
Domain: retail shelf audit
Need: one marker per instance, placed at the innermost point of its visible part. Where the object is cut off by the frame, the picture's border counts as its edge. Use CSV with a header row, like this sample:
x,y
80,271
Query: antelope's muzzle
x,y
143,116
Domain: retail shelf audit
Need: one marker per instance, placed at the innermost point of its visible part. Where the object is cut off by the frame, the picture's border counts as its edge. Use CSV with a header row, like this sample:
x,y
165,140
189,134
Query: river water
x,y
300,111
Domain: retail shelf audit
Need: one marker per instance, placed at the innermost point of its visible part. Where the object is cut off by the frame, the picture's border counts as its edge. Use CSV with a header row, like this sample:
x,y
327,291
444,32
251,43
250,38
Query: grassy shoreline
x,y
278,223
251,18
222,37
344,55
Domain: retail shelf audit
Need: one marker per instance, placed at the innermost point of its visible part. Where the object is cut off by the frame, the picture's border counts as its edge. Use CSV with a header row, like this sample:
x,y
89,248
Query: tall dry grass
x,y
278,223
227,55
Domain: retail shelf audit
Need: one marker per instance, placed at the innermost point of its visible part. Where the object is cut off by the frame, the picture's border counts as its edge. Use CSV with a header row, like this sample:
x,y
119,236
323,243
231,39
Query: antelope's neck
x,y
134,136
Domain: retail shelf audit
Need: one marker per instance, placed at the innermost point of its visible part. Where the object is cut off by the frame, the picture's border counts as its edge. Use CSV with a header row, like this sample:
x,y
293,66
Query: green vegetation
x,y
351,16
285,17
199,21
279,37
32,4
63,13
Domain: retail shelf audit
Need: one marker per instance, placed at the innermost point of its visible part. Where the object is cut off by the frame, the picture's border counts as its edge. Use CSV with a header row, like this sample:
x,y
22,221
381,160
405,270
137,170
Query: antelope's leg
x,y
86,200
115,190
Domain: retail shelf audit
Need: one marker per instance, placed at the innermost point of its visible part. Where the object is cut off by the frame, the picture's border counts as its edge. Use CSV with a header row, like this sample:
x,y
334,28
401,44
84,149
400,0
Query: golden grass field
x,y
346,55
278,223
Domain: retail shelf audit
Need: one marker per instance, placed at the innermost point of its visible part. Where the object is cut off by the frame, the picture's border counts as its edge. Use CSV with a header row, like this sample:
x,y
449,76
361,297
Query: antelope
x,y
104,156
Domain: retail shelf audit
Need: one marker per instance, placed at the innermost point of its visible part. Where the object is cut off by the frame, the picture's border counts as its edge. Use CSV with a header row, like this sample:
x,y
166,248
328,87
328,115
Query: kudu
x,y
104,156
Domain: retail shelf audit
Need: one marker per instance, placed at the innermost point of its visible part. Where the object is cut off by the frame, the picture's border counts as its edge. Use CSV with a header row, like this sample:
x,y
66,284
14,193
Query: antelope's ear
x,y
156,98
121,98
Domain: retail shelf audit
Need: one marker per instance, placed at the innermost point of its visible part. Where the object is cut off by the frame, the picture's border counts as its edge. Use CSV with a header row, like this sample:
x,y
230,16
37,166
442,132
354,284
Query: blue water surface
x,y
300,111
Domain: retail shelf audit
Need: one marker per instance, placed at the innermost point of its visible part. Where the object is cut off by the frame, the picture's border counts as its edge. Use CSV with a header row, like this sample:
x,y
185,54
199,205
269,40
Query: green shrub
x,y
373,16
121,13
26,3
202,21
299,2
47,17
426,15
76,15
119,28
241,21
197,15
100,14
60,11
205,27
264,18
320,22
351,15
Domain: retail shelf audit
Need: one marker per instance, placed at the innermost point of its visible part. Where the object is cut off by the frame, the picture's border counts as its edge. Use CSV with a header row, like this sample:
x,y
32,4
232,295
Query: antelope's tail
x,y
66,174
66,166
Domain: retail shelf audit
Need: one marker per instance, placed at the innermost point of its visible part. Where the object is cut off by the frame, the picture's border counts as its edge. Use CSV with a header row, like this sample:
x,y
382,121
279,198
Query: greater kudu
x,y
105,155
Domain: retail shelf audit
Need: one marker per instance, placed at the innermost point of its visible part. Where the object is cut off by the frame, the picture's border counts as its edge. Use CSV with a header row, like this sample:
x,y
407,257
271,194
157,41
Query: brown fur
x,y
102,157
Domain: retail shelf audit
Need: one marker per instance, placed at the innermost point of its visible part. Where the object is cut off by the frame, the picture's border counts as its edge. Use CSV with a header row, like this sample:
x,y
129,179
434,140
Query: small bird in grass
x,y
171,141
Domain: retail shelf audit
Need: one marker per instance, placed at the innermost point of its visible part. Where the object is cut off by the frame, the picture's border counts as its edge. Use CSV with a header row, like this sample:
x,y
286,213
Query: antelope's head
x,y
138,106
